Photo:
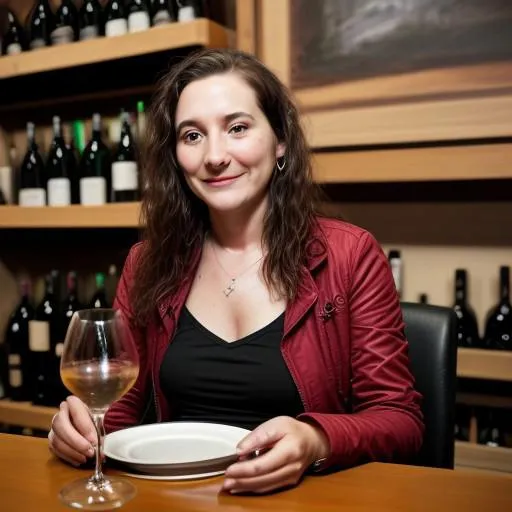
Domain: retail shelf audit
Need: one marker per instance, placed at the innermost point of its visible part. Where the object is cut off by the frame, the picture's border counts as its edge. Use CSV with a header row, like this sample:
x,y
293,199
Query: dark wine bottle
x,y
90,20
115,19
14,40
423,298
395,262
139,18
17,345
68,308
59,169
498,326
99,299
490,431
125,179
32,191
95,168
162,12
42,24
191,9
66,23
467,326
43,332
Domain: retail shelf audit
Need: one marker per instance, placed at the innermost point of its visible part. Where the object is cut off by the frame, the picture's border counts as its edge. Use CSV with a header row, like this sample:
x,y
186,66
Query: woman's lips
x,y
221,182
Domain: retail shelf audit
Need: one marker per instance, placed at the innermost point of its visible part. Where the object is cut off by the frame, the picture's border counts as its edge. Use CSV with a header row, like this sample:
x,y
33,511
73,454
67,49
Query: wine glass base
x,y
86,495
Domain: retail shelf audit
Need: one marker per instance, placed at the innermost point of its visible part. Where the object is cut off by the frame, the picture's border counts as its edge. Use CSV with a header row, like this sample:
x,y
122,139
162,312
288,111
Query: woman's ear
x,y
280,150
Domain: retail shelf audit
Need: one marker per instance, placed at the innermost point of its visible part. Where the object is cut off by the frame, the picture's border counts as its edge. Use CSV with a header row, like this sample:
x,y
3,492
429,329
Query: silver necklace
x,y
231,286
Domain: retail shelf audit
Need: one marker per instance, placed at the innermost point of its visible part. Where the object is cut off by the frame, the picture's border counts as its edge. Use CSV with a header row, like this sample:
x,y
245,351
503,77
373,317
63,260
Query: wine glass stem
x,y
98,477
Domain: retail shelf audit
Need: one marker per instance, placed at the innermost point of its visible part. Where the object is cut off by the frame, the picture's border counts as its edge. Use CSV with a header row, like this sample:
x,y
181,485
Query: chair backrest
x,y
431,332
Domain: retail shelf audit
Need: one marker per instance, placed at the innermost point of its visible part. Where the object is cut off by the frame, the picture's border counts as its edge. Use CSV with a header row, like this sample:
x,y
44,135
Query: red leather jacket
x,y
343,343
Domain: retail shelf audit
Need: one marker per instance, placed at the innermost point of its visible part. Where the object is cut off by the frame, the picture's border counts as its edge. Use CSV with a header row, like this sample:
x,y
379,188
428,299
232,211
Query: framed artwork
x,y
393,71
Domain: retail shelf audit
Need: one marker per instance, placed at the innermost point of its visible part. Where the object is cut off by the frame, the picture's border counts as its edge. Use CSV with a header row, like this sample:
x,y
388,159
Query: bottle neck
x,y
460,290
505,284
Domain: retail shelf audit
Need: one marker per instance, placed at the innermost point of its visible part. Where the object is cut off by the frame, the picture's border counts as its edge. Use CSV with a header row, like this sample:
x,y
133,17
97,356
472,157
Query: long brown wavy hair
x,y
176,220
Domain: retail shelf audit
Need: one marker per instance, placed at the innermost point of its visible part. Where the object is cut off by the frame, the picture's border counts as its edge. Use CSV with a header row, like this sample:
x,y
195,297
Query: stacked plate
x,y
175,451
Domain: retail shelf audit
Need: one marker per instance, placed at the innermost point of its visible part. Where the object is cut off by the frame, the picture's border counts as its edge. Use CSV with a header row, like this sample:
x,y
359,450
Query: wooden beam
x,y
484,364
24,414
479,456
485,161
246,26
474,118
274,31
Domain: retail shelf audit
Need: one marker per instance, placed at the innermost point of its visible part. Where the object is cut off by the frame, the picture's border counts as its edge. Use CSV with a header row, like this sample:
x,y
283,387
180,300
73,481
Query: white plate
x,y
175,449
175,477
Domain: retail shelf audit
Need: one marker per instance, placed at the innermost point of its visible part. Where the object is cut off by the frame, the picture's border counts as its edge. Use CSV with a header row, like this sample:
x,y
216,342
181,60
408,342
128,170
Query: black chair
x,y
431,332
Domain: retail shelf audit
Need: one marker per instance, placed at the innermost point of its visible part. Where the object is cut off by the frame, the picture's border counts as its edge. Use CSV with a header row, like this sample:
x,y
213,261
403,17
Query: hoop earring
x,y
281,166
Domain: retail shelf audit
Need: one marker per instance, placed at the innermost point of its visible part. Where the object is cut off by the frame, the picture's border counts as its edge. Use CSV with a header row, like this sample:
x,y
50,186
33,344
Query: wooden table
x,y
30,479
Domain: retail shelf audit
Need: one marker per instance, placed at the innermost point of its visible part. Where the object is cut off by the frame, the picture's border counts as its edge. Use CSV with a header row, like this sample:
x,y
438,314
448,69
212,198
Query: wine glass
x,y
99,365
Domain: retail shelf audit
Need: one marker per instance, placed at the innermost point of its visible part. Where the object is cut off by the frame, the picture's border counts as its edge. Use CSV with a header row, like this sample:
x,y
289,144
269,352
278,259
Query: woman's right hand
x,y
73,435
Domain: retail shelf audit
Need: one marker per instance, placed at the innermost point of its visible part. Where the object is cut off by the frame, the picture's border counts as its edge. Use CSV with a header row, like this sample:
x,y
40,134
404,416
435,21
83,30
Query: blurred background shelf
x,y
476,456
24,414
484,364
200,32
116,215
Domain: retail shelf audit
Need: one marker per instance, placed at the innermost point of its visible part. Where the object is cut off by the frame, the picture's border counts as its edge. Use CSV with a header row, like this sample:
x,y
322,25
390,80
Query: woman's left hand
x,y
292,447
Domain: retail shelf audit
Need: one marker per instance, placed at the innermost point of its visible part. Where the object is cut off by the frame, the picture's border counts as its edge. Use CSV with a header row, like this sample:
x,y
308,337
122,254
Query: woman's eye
x,y
191,137
238,129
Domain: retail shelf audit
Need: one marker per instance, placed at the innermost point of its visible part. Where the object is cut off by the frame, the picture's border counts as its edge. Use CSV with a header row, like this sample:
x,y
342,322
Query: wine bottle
x,y
467,326
138,16
189,10
498,326
13,41
42,25
423,298
99,299
490,430
90,20
162,12
395,262
59,168
17,345
32,190
68,308
66,23
43,332
95,168
111,283
125,180
115,19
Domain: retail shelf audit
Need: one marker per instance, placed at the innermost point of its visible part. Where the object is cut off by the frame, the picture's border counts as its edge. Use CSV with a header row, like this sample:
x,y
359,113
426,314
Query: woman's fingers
x,y
64,451
283,477
65,433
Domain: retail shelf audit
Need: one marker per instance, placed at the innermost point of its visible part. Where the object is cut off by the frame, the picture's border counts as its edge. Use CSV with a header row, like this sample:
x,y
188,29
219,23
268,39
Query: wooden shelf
x,y
118,215
470,162
24,414
201,32
477,456
484,364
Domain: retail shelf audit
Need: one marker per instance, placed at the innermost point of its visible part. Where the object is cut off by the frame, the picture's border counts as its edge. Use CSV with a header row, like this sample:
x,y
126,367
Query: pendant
x,y
231,288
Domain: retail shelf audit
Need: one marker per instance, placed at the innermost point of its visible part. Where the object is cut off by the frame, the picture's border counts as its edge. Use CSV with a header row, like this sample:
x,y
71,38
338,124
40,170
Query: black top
x,y
242,383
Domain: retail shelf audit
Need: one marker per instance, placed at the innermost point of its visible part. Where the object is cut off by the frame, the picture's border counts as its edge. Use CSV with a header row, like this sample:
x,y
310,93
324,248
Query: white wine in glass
x,y
99,365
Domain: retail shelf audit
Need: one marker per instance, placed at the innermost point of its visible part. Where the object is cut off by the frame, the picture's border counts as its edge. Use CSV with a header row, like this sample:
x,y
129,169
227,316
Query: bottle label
x,y
14,360
62,35
15,378
161,18
37,43
138,21
14,49
59,348
6,177
124,176
39,336
59,192
32,197
93,191
115,28
186,14
396,270
90,32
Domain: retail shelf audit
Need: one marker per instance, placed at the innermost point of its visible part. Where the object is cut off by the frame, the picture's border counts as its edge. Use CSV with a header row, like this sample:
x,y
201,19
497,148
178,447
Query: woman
x,y
247,307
